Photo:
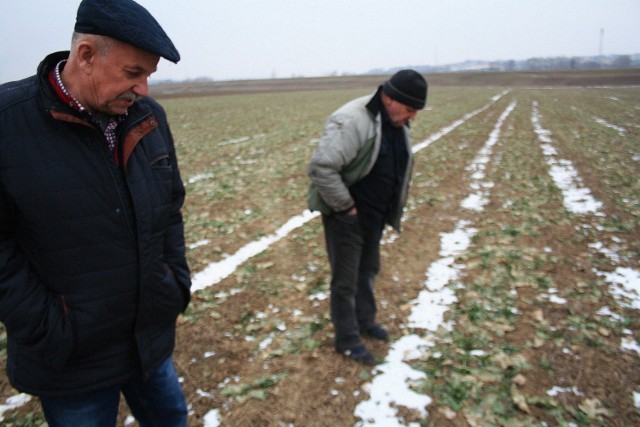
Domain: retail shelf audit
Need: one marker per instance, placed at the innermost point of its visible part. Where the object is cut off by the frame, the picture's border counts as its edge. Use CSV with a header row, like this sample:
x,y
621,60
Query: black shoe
x,y
377,332
361,355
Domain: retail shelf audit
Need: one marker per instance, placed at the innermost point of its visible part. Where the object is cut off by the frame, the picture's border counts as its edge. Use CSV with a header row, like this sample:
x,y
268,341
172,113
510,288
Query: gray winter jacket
x,y
346,153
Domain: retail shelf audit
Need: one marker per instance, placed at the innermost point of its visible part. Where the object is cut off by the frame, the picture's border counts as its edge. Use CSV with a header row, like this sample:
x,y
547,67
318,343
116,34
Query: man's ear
x,y
86,54
386,100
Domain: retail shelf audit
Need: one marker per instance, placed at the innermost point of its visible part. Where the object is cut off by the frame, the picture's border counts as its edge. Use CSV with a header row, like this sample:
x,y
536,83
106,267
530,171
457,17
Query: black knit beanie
x,y
407,87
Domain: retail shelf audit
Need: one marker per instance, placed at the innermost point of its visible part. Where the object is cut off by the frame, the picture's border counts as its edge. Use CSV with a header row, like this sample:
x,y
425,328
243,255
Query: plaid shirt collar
x,y
108,127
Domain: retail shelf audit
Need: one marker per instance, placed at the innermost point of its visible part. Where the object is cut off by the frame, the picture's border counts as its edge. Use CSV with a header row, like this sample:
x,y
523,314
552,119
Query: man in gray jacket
x,y
360,174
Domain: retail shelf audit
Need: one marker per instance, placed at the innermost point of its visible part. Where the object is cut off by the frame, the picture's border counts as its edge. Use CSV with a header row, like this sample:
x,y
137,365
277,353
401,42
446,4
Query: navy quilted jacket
x,y
92,262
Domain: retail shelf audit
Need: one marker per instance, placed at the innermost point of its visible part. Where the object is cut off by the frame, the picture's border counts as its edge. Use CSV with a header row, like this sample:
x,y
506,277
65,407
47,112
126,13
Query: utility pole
x,y
601,39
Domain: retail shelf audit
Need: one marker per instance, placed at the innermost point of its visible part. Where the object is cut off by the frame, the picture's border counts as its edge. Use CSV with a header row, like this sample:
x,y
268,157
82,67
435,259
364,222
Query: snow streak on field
x,y
577,198
219,270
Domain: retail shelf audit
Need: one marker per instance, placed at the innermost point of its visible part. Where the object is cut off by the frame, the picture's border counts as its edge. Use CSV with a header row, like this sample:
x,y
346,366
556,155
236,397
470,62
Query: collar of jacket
x,y
139,122
375,106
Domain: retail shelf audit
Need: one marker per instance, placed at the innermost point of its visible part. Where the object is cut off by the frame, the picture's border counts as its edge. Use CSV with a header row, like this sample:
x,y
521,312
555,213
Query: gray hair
x,y
103,43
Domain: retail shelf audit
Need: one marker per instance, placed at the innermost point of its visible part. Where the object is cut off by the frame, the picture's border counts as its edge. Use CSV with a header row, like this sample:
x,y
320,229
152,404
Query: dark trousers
x,y
353,247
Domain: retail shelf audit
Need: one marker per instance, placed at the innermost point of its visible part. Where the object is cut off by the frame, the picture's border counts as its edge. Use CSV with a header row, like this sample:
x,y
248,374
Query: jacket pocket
x,y
58,343
167,296
161,161
345,218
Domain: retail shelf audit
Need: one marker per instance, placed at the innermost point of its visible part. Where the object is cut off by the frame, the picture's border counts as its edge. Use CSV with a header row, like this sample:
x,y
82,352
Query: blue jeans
x,y
158,401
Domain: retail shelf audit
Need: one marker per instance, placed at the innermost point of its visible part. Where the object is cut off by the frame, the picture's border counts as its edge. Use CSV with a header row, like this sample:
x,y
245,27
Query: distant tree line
x,y
532,64
564,63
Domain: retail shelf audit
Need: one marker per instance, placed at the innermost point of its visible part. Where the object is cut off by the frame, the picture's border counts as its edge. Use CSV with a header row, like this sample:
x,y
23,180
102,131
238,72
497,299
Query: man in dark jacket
x,y
360,176
93,272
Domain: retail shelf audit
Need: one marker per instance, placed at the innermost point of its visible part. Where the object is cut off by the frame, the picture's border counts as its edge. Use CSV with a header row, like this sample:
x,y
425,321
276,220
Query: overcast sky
x,y
238,39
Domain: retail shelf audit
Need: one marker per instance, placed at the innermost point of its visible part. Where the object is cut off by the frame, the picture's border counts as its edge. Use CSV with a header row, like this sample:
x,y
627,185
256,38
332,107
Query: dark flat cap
x,y
127,21
407,87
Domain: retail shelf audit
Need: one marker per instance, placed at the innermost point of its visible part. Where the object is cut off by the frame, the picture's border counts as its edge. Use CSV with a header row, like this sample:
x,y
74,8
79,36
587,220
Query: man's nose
x,y
141,88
